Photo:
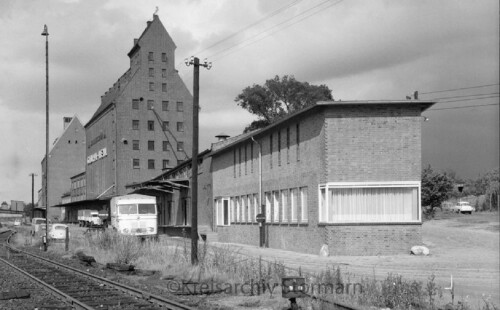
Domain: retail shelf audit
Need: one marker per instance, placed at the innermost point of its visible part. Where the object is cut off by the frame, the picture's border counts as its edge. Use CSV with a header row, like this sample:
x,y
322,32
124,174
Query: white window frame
x,y
243,209
219,203
276,206
394,184
294,204
238,210
303,204
233,209
284,205
249,208
256,207
268,197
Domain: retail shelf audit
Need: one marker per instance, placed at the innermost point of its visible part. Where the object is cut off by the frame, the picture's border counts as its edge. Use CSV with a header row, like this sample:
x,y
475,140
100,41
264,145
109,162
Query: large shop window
x,y
369,202
223,211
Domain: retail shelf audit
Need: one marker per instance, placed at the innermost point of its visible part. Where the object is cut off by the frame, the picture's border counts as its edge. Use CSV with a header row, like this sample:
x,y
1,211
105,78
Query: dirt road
x,y
465,246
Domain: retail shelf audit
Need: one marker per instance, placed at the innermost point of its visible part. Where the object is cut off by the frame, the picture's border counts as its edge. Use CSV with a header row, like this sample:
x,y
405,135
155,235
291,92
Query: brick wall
x,y
379,143
382,239
117,123
337,144
66,159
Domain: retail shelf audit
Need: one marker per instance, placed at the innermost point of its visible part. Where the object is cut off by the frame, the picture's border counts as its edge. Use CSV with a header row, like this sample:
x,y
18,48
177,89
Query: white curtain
x,y
373,204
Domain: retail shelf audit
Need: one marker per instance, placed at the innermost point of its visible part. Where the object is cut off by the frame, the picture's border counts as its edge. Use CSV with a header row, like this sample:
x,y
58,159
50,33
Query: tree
x,y
279,97
436,188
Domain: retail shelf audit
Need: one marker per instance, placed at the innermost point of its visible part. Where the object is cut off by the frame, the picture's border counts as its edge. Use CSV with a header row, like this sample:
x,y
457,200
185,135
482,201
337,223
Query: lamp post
x,y
45,33
194,162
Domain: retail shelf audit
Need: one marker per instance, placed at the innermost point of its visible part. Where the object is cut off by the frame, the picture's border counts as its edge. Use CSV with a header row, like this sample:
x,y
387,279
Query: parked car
x,y
37,225
464,207
58,231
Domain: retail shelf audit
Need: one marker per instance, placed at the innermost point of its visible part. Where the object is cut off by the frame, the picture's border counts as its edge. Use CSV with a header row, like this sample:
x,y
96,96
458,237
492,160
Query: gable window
x,y
150,57
151,72
151,163
180,146
135,124
164,105
165,125
165,163
135,163
151,104
180,126
135,145
151,145
165,146
180,106
151,125
135,104
370,202
164,87
164,73
151,86
164,57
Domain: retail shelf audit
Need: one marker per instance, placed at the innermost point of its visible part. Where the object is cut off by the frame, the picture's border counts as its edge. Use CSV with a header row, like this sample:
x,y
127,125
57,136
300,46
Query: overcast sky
x,y
359,49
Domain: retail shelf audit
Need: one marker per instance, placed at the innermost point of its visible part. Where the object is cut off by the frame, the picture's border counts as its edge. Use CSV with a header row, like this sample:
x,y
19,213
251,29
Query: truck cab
x,y
134,215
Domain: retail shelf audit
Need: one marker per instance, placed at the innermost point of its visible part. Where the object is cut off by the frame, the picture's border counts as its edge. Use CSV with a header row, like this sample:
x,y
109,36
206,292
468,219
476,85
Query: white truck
x,y
135,215
87,218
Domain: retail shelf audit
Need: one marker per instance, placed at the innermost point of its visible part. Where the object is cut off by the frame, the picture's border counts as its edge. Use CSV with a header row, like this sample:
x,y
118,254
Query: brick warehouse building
x,y
66,158
143,124
346,174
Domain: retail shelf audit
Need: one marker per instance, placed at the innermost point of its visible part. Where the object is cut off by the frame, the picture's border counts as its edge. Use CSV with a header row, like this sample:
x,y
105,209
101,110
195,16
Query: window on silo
x,y
135,145
151,163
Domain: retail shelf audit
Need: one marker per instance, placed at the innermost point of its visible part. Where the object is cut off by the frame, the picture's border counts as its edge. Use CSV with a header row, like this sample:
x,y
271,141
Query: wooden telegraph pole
x,y
194,162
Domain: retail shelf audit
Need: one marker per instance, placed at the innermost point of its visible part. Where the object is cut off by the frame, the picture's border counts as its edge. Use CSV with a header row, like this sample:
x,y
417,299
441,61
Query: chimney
x,y
222,137
135,41
149,22
66,121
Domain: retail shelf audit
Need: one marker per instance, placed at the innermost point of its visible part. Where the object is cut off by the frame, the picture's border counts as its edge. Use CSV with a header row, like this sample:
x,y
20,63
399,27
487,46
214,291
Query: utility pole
x,y
32,175
45,33
194,162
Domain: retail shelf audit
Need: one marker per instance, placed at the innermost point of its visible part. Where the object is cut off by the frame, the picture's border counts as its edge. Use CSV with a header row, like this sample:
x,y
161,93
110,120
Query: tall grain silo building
x,y
144,122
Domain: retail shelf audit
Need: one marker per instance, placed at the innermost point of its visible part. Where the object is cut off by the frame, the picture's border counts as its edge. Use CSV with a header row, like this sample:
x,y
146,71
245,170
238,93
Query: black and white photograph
x,y
253,154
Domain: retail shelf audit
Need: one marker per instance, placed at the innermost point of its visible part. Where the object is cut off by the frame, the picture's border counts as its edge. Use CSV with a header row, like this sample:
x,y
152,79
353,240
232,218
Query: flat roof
x,y
423,104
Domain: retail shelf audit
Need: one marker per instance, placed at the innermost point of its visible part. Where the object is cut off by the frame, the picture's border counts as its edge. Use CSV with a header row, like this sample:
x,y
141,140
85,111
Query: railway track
x,y
80,289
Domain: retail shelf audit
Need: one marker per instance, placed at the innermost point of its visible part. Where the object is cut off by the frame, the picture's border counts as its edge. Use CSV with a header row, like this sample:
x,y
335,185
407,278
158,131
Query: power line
x,y
453,97
234,34
239,45
464,107
276,12
447,90
479,98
